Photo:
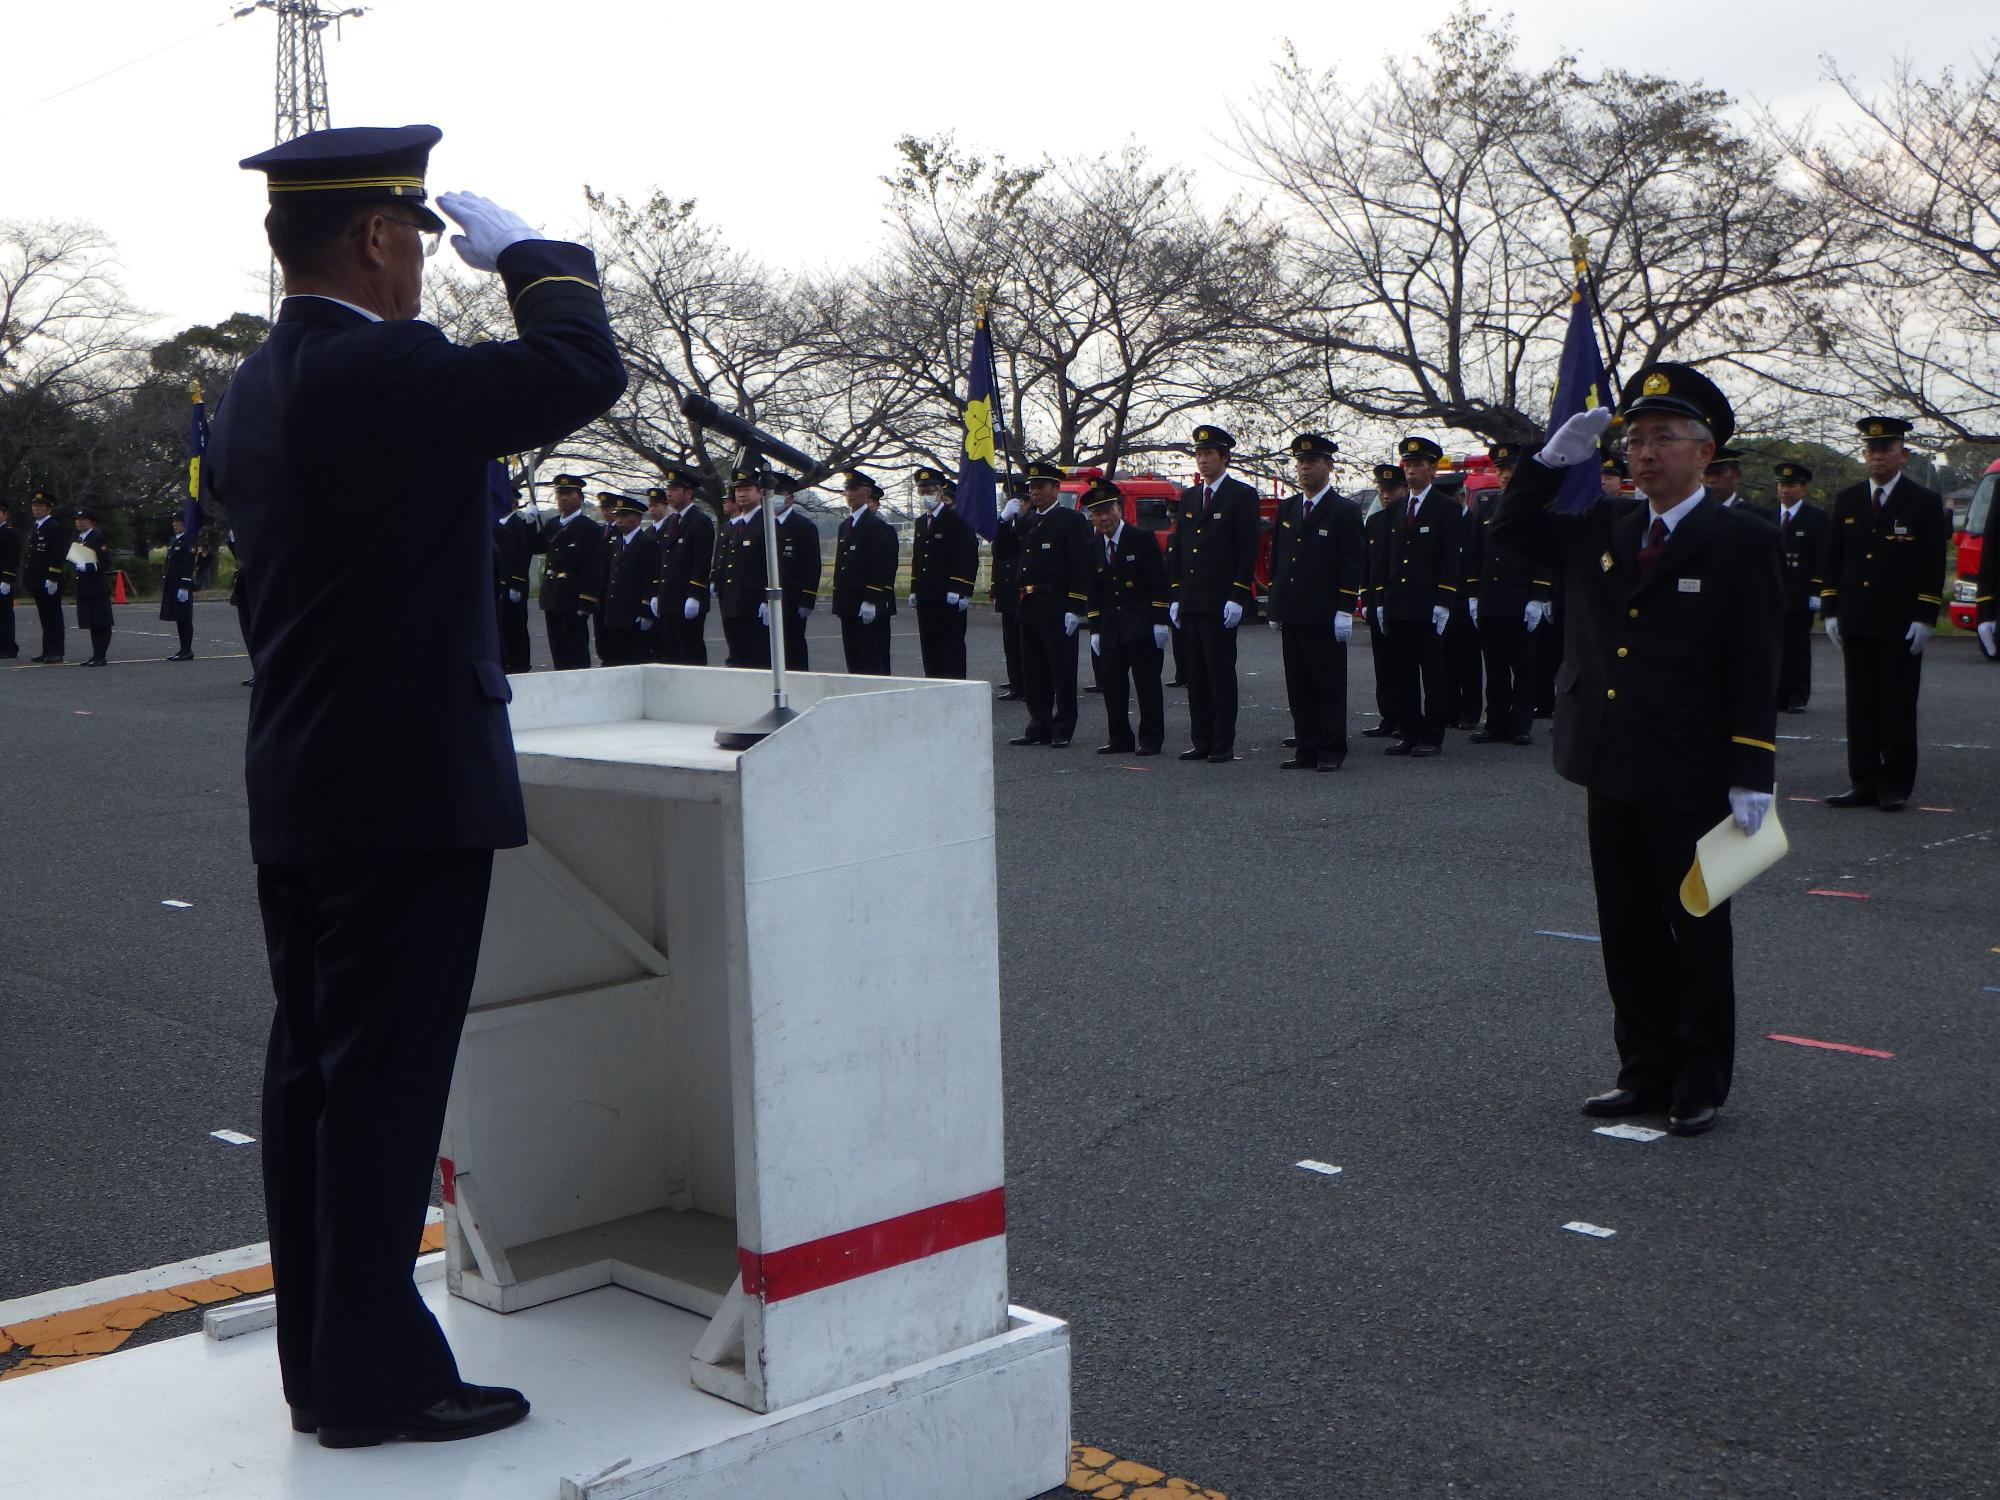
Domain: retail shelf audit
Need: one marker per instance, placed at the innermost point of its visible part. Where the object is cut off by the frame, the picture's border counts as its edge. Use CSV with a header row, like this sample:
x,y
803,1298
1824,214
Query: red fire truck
x,y
1971,542
1149,505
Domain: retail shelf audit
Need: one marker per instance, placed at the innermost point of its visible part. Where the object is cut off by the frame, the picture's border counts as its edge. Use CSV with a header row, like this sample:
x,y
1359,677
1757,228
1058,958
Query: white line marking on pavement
x,y
1629,1132
233,1137
178,905
1574,937
1595,1231
1324,1168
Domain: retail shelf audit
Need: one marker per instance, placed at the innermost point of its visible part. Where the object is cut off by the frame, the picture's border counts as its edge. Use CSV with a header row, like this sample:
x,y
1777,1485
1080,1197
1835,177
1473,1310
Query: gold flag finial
x,y
1579,247
194,390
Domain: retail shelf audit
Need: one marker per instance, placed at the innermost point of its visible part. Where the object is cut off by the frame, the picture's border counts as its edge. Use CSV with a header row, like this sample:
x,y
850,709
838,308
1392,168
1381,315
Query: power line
x,y
108,72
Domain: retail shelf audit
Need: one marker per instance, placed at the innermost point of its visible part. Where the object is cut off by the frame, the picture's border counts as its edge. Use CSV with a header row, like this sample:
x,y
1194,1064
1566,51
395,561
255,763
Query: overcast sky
x,y
778,117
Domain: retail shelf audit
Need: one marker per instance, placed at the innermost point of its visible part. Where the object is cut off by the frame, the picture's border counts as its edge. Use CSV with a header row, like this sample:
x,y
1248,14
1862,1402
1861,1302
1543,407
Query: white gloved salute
x,y
763,614
489,229
1440,617
1536,612
867,614
1071,623
1986,631
1343,627
1576,440
1919,636
1747,808
1232,614
1161,637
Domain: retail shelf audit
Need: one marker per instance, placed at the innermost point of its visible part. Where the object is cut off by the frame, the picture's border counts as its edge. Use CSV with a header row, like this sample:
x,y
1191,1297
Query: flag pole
x,y
1579,249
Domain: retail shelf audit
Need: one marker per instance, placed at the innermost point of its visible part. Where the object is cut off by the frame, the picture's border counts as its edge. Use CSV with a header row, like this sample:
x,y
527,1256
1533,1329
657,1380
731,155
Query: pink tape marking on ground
x,y
1806,1041
1844,895
1802,799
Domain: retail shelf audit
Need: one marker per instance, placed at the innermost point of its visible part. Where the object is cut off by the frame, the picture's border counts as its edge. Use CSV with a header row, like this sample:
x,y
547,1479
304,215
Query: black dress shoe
x,y
302,1420
1147,750
1291,742
1402,747
1059,742
1328,763
1379,732
1524,739
249,682
1890,802
51,661
1617,1103
1696,1121
1300,763
1793,708
1853,797
1221,757
95,661
1027,739
182,656
1484,737
469,1411
1194,755
1116,750
1423,752
1177,682
1091,687
1010,695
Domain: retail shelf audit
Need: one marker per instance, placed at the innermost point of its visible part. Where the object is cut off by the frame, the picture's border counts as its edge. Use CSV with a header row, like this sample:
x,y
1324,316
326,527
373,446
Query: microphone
x,y
705,413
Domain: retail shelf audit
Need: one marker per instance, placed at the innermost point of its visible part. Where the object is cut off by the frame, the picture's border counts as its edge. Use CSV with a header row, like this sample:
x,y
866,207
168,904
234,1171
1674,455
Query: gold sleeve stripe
x,y
1929,599
1741,739
544,281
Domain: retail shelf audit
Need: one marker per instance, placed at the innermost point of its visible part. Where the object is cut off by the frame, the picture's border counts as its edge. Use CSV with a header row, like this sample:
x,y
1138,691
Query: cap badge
x,y
1656,385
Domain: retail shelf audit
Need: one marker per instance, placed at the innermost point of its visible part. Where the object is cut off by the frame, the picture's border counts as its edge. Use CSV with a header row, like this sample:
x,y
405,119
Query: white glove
x,y
1833,629
1576,440
644,622
1919,636
913,601
960,600
763,614
1536,612
1174,613
1986,630
653,604
690,608
49,588
489,229
1812,603
85,567
867,614
180,596
1343,627
953,600
1472,609
1382,619
1071,623
585,614
1440,617
1161,636
513,596
1232,614
1095,640
1010,510
804,612
6,589
1748,808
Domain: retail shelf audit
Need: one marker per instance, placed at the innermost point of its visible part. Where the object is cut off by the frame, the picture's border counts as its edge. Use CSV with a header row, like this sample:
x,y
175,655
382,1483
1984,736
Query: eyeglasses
x,y
432,238
1641,444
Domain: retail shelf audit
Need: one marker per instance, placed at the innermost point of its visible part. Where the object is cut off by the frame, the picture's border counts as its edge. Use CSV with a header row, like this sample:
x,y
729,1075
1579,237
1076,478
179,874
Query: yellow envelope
x,y
1726,859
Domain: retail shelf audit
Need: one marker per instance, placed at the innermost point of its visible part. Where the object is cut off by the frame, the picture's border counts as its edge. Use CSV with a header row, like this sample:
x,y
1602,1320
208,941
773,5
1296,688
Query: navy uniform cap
x,y
1682,391
1313,445
1102,492
1503,454
656,496
1793,473
568,482
630,503
88,512
679,473
1419,447
927,475
784,484
759,477
857,480
1726,458
1873,428
1388,474
1039,469
1613,464
354,164
41,499
1210,436
607,497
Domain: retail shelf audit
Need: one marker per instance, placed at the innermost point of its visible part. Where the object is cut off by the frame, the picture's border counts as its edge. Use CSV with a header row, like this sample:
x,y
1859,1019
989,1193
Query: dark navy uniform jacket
x,y
687,556
799,561
944,559
1805,542
1058,554
1213,558
359,746
864,565
1318,562
1885,572
1418,566
1128,585
177,574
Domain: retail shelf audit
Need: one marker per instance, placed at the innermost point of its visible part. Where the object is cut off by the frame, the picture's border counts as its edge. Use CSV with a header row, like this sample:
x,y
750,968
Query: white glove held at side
x,y
1833,629
1986,633
1070,623
489,229
1576,440
1161,636
1472,609
1343,627
1382,619
1096,641
49,588
1232,614
1748,808
1440,617
1812,603
1536,612
690,609
763,614
1919,636
513,596
180,596
1174,614
867,614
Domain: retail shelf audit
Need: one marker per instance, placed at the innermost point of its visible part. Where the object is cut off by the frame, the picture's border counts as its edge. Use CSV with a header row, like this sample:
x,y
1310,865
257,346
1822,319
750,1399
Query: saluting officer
x,y
10,573
44,568
631,566
572,577
1390,487
1802,532
1128,622
1512,606
1004,587
1668,717
93,586
944,564
177,587
743,579
798,570
1319,560
513,549
686,564
1884,585
1056,546
1418,573
1211,570
864,578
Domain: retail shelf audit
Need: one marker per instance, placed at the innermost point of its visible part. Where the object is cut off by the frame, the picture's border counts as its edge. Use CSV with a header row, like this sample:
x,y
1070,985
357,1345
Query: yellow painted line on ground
x,y
65,1338
1105,1476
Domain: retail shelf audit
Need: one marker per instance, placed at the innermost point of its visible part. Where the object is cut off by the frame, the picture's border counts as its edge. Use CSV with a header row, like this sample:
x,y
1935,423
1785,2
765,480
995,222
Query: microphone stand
x,y
781,712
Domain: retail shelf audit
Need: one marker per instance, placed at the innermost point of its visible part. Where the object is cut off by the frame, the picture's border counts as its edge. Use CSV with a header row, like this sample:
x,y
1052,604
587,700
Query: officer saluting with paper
x,y
380,779
1666,710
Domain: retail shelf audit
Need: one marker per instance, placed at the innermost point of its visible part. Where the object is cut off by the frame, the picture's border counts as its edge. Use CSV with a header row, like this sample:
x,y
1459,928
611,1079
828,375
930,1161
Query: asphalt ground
x,y
1209,974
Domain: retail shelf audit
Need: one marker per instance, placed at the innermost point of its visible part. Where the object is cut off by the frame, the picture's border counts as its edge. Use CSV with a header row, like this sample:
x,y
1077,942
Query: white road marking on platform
x,y
1595,1231
178,905
1574,937
233,1137
1324,1168
1629,1132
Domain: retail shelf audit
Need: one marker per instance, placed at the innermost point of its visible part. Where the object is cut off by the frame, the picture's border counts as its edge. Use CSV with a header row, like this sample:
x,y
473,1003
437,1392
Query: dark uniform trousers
x,y
797,657
1463,661
1010,645
1213,560
1209,649
866,647
372,963
569,639
1883,680
1416,568
1048,678
44,561
1549,652
1510,651
1376,529
516,655
1316,689
1795,666
1126,668
1417,695
941,638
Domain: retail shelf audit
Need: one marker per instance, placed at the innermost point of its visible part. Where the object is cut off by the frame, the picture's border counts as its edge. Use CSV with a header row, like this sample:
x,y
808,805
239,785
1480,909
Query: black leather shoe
x,y
1291,742
1484,737
1328,763
1194,755
1424,752
1889,802
1853,797
95,661
182,656
249,682
302,1420
1524,739
1116,750
1793,708
469,1411
1617,1103
38,658
1009,695
1696,1121
1027,739
1402,747
1059,742
1221,757
1147,750
1091,687
1300,763
1379,732
51,661
1177,682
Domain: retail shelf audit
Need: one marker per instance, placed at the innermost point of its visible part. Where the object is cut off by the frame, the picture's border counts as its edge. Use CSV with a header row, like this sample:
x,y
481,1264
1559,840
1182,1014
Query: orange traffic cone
x,y
118,587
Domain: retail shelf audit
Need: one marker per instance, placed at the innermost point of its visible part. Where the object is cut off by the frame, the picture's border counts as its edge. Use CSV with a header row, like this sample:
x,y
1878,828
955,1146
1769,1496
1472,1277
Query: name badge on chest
x,y
1902,531
1423,531
1047,545
1689,585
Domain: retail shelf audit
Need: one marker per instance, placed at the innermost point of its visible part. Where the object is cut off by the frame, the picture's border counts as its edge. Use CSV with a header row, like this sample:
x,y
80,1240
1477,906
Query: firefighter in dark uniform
x,y
1987,590
1667,714
10,577
1056,547
1512,607
1418,576
1802,532
864,579
742,581
177,587
44,570
1884,586
380,779
1004,589
608,648
513,549
687,562
798,570
944,565
93,586
572,576
631,565
1724,478
1390,487
1319,560
1463,666
1211,569
1128,622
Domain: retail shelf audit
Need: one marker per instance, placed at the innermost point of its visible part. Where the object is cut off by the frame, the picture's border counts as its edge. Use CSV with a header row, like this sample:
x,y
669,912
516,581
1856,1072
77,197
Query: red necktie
x,y
1208,498
1656,543
1878,501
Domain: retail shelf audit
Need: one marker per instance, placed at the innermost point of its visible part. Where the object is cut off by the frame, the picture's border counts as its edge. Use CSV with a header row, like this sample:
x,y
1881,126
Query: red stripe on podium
x,y
797,1269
